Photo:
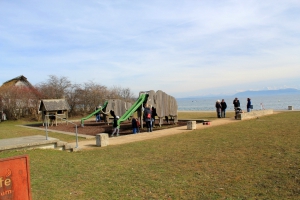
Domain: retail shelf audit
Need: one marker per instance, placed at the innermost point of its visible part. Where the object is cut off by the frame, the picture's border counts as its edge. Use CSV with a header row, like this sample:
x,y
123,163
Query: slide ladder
x,y
142,98
94,113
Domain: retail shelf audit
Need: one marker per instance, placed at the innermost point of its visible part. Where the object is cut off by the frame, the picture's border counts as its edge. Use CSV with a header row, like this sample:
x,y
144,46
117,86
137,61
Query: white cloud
x,y
177,46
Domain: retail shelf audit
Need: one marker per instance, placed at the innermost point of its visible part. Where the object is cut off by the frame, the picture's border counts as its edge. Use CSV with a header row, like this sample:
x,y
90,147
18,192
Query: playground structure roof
x,y
53,105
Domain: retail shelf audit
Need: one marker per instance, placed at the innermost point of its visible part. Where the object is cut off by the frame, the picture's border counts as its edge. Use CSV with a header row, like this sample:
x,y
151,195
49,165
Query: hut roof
x,y
54,104
20,79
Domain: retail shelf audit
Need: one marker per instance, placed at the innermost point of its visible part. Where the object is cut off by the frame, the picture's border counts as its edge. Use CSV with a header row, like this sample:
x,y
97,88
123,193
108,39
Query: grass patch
x,y
202,115
252,159
9,129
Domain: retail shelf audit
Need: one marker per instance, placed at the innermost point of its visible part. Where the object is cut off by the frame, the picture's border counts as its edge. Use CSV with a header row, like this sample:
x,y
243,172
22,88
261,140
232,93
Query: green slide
x,y
92,114
133,108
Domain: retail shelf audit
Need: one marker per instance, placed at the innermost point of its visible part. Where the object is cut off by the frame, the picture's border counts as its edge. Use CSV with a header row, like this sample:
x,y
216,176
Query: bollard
x,y
102,139
191,125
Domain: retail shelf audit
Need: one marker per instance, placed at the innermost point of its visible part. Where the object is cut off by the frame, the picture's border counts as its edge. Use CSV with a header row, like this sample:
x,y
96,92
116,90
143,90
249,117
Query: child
x,y
138,125
134,126
116,129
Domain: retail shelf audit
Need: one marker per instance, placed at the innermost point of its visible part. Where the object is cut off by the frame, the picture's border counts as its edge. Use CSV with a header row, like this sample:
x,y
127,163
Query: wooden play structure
x,y
52,109
164,104
118,106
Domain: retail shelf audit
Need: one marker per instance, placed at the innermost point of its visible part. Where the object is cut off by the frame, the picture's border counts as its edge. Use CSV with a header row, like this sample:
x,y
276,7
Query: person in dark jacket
x,y
98,118
153,116
116,129
248,104
147,117
223,108
134,126
138,124
218,108
236,103
112,113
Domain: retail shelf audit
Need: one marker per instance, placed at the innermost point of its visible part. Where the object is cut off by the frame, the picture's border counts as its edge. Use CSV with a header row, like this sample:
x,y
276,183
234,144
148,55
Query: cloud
x,y
180,47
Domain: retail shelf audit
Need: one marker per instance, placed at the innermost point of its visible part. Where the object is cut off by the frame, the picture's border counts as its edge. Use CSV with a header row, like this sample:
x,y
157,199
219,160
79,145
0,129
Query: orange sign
x,y
14,178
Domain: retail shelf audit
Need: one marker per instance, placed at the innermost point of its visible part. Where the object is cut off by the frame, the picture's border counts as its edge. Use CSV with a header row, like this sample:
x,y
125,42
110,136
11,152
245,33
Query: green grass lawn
x,y
252,159
9,129
202,115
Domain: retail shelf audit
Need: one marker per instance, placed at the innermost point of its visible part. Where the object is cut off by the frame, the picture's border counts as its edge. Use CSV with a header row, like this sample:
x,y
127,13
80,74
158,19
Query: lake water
x,y
275,102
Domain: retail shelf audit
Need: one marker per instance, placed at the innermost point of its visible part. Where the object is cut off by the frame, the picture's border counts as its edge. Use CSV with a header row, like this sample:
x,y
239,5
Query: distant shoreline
x,y
296,110
201,111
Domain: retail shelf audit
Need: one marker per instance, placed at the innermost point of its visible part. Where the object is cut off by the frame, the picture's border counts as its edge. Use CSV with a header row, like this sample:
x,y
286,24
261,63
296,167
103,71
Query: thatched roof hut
x,y
54,108
18,81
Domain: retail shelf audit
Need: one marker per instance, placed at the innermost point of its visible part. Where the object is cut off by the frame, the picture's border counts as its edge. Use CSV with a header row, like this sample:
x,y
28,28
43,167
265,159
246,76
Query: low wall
x,y
191,125
253,114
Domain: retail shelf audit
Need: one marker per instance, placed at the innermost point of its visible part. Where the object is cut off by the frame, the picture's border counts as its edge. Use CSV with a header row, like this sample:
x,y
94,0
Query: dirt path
x,y
91,144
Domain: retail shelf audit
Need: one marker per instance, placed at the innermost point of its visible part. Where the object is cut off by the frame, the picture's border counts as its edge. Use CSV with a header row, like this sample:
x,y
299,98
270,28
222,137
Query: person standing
x,y
248,104
147,117
116,129
112,113
236,103
138,125
98,119
134,126
218,108
223,108
153,116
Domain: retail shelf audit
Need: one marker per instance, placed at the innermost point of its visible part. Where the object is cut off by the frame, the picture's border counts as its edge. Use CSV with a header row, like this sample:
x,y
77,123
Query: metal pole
x,y
46,131
66,121
76,137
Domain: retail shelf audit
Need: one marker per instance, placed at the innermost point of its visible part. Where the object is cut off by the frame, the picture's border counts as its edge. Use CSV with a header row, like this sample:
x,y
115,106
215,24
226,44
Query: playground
x,y
163,109
92,127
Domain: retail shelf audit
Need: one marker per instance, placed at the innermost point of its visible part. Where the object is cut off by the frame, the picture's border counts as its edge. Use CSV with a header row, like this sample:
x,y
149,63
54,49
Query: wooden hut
x,y
18,98
53,109
20,81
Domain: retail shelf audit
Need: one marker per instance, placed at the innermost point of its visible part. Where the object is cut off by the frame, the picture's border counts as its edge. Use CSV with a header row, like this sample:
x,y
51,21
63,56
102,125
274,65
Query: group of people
x,y
221,107
149,118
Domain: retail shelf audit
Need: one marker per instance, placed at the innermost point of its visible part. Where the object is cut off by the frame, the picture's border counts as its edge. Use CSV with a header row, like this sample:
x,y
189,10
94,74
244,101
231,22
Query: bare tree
x,y
114,92
127,95
92,95
19,101
55,87
8,96
1,103
82,98
117,92
73,97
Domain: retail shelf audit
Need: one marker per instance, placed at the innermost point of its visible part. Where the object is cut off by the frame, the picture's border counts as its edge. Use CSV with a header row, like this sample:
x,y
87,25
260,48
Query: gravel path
x,y
91,144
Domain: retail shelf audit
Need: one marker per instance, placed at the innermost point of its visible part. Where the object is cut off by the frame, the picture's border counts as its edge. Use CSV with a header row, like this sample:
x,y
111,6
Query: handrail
x,y
93,113
46,129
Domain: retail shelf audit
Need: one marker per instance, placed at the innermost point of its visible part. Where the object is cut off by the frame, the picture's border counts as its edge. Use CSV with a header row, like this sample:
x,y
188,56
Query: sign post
x,y
15,178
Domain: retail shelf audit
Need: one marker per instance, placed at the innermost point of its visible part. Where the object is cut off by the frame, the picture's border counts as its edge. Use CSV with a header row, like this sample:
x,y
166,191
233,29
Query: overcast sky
x,y
184,48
